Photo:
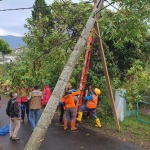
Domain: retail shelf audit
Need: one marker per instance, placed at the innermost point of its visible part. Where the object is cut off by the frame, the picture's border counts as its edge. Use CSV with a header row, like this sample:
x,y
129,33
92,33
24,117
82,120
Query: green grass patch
x,y
131,130
144,117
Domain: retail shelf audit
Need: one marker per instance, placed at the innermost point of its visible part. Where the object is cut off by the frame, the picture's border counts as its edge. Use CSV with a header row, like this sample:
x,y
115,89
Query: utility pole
x,y
39,132
100,45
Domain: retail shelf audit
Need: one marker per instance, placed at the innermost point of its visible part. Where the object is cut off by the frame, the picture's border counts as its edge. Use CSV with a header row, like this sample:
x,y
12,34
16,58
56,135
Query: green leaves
x,y
137,82
128,23
124,32
4,47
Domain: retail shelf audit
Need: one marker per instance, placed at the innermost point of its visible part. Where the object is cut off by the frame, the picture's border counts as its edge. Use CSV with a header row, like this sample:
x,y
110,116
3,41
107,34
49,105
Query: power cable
x,y
23,8
64,20
116,8
73,11
12,9
67,6
55,43
70,27
103,8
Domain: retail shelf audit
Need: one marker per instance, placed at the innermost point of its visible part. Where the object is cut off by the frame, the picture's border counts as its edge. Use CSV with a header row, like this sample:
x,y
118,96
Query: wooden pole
x,y
102,55
38,134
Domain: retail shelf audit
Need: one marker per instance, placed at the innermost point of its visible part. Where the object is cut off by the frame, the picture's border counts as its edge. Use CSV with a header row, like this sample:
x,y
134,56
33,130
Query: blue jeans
x,y
92,111
34,113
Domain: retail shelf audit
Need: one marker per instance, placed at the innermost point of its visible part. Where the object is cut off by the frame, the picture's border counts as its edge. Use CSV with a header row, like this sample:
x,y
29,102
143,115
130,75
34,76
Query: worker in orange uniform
x,y
70,107
90,106
62,110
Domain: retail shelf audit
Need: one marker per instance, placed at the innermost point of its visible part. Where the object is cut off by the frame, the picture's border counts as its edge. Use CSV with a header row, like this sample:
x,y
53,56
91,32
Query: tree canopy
x,y
52,34
4,47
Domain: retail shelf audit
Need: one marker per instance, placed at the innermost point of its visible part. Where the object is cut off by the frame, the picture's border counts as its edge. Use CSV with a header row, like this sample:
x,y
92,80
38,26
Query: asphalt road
x,y
58,139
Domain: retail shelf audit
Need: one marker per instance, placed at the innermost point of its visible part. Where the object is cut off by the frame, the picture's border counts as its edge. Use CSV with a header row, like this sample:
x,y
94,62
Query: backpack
x,y
10,107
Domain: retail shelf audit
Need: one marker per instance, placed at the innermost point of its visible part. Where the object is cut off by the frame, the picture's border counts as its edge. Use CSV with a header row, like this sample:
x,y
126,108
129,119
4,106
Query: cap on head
x,y
47,82
97,91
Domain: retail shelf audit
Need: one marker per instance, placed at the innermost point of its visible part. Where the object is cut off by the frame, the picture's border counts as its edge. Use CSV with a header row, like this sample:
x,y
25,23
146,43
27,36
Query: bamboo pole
x,y
102,55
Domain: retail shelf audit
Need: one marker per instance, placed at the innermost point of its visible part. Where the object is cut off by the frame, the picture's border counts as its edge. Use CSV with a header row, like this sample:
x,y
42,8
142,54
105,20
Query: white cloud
x,y
12,22
5,32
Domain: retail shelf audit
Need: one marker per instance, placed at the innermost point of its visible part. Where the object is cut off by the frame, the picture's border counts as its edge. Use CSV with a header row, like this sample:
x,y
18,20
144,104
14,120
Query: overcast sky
x,y
12,22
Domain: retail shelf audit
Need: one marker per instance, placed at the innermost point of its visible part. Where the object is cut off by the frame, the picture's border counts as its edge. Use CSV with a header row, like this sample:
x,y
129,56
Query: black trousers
x,y
61,113
24,108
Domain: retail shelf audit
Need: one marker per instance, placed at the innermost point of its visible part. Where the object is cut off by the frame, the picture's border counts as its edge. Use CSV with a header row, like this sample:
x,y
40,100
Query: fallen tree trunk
x,y
39,132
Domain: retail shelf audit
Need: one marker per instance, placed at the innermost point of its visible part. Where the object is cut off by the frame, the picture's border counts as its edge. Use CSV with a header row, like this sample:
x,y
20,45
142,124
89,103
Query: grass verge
x,y
131,130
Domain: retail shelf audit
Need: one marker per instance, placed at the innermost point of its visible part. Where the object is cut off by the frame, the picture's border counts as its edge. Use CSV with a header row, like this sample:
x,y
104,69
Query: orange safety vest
x,y
69,99
92,103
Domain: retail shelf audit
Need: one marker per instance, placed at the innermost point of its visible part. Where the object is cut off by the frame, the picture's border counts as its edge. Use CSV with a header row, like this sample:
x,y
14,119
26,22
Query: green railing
x,y
137,112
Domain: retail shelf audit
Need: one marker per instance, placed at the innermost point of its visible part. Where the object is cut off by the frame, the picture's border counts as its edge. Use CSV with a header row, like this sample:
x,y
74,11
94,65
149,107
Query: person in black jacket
x,y
12,111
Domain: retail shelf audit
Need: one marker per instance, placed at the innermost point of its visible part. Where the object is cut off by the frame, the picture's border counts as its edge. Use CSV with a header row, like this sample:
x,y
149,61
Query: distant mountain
x,y
13,41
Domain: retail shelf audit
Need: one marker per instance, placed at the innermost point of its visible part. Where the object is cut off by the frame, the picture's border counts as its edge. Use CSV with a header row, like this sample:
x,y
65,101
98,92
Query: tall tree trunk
x,y
39,132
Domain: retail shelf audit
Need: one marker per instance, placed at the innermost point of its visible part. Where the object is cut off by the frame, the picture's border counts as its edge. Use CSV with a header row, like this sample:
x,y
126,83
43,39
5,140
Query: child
x,y
12,111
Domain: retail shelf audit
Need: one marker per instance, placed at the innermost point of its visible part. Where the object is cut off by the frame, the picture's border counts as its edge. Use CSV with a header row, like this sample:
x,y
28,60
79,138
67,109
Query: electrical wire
x,y
57,43
116,8
73,11
13,9
68,6
24,8
63,19
103,8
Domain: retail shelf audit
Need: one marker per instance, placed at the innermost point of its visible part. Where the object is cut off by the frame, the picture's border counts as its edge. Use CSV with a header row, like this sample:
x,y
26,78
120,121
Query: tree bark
x,y
38,134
